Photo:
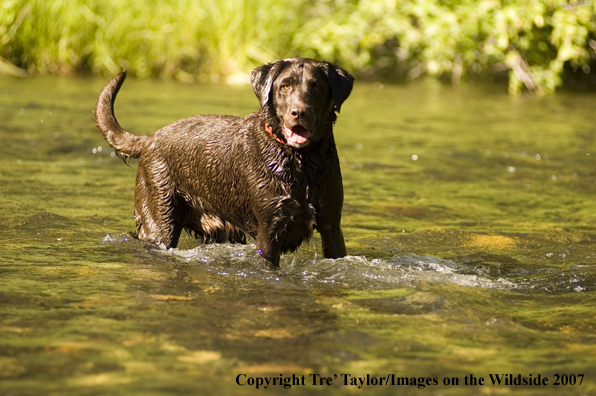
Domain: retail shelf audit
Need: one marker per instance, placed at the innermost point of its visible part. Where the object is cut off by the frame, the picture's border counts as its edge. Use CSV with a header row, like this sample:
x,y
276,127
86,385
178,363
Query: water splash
x,y
306,269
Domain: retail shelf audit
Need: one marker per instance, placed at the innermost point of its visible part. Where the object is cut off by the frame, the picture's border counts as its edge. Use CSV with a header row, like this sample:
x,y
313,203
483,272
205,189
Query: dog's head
x,y
303,94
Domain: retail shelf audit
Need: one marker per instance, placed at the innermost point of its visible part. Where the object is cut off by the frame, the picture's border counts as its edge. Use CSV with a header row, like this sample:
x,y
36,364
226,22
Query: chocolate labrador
x,y
273,175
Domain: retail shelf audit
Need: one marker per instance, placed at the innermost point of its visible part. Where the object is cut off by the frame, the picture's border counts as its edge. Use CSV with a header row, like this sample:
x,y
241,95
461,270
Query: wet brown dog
x,y
273,175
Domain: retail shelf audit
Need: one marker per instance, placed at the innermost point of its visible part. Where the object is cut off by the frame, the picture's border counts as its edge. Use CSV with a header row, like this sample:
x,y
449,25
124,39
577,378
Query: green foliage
x,y
209,39
533,40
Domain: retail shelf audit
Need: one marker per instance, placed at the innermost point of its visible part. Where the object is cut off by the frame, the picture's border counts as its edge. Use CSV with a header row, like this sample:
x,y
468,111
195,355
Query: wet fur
x,y
223,177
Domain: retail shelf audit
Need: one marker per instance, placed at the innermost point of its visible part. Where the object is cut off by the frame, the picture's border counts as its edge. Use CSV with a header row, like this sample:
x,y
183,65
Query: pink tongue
x,y
292,137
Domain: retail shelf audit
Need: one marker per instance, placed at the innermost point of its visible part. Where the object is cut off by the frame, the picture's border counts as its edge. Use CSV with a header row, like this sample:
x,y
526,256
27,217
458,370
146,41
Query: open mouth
x,y
297,134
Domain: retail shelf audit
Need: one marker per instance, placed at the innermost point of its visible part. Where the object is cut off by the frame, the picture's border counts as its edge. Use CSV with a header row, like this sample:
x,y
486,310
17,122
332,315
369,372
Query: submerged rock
x,y
45,220
413,304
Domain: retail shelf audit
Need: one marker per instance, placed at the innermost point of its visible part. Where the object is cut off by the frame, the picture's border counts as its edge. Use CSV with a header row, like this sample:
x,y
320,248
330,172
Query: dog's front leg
x,y
329,206
333,241
267,248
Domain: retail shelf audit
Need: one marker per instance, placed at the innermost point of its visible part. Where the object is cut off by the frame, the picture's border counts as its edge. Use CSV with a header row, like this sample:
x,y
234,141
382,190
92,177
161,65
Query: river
x,y
469,221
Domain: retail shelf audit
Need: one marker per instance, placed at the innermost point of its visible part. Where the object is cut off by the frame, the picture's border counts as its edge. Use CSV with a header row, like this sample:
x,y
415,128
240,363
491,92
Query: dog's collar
x,y
269,130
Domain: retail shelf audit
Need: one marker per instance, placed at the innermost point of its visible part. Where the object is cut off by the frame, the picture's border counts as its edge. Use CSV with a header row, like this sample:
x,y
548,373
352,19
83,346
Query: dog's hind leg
x,y
159,219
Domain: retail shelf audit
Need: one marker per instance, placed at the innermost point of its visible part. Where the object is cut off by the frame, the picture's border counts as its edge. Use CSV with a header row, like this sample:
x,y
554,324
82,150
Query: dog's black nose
x,y
298,113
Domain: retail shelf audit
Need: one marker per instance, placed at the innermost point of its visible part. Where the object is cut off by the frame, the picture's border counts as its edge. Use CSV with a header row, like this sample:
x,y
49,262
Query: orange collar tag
x,y
269,130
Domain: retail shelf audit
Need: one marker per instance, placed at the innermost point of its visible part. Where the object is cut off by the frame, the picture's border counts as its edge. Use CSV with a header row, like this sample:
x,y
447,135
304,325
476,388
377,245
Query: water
x,y
469,222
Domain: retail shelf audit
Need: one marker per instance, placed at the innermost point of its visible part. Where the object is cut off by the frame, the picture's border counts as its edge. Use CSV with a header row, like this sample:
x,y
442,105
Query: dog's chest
x,y
287,168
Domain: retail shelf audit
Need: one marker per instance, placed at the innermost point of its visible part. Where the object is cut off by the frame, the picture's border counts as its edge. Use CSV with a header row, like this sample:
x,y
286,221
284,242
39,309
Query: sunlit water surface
x,y
469,221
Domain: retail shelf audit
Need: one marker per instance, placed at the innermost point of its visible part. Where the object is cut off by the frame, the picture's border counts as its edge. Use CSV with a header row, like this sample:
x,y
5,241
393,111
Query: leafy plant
x,y
534,41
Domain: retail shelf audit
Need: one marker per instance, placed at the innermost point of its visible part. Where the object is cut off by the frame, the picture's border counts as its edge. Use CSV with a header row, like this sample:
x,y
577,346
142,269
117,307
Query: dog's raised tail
x,y
124,143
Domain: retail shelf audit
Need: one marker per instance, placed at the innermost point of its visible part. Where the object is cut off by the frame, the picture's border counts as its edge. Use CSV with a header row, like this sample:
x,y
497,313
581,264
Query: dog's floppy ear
x,y
262,79
341,83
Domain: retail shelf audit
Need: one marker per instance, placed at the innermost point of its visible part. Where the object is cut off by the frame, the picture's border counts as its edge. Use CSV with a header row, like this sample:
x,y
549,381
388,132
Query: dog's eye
x,y
316,88
286,87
